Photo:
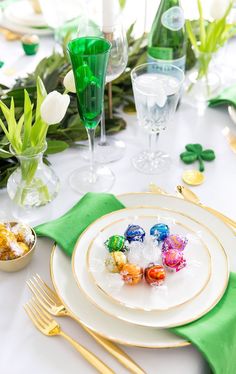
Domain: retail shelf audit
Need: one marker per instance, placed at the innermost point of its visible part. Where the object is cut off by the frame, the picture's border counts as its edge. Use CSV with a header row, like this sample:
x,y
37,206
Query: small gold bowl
x,y
22,261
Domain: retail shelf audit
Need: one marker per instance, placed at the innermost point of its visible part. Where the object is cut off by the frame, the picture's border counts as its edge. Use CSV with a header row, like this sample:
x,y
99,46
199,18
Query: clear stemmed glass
x,y
89,57
62,16
156,90
109,150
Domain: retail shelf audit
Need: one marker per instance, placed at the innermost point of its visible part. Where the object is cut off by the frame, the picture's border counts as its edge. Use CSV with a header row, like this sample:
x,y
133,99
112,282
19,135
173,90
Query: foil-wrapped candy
x,y
6,237
115,261
131,274
134,233
115,243
174,241
173,260
23,233
155,274
15,240
160,231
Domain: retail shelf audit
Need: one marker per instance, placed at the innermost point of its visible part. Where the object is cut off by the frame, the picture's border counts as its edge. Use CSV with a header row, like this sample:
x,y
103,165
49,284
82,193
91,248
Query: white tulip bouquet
x,y
27,137
212,35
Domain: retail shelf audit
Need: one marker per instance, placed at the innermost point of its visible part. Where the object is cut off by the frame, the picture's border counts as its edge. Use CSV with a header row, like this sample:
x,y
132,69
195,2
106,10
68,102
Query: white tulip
x,y
218,8
54,107
69,82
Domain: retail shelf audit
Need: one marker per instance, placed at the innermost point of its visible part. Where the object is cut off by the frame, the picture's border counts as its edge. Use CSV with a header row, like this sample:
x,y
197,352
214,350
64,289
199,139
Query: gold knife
x,y
189,195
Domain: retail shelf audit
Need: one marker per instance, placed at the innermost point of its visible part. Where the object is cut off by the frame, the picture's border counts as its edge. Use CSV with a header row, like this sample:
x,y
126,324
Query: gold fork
x,y
52,303
48,326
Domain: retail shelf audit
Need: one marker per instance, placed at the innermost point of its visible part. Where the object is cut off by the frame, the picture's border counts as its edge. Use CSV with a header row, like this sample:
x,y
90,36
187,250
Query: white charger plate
x,y
108,326
180,315
175,291
22,13
24,29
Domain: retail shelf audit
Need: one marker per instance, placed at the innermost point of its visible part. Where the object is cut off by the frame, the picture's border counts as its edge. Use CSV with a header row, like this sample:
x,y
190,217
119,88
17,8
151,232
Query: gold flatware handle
x,y
118,353
156,189
224,218
9,35
189,195
89,356
115,351
112,348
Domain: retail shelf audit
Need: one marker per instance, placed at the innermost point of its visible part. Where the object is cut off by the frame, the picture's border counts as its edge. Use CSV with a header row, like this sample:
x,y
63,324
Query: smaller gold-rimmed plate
x,y
176,289
180,315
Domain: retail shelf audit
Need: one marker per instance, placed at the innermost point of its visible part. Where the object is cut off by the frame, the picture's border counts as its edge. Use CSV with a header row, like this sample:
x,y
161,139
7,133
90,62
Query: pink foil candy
x,y
173,260
174,242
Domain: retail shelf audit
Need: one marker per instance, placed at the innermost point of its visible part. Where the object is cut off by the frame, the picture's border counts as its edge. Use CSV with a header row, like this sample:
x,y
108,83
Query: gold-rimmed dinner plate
x,y
180,315
175,291
109,326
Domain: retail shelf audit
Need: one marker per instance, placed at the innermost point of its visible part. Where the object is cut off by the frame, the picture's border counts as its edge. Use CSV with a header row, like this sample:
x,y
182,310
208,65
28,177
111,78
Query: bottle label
x,y
179,62
161,53
173,18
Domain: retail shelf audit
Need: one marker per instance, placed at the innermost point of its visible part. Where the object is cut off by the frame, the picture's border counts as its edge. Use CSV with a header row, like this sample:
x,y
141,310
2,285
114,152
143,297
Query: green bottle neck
x,y
164,41
166,4
156,26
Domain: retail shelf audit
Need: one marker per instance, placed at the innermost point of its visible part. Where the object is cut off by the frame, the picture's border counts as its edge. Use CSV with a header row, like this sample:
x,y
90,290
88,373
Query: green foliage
x,y
122,3
70,131
56,146
195,152
208,37
211,35
27,134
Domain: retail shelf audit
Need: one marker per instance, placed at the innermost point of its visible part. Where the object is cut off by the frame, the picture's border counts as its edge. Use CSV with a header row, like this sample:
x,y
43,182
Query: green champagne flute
x,y
89,57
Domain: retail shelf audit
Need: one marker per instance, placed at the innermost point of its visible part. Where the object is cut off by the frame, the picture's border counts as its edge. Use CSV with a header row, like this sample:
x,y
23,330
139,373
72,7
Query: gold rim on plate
x,y
119,341
199,205
88,268
115,340
169,210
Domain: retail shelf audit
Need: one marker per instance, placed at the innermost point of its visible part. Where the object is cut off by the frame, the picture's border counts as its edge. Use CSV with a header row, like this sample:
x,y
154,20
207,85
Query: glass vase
x,y
203,81
33,183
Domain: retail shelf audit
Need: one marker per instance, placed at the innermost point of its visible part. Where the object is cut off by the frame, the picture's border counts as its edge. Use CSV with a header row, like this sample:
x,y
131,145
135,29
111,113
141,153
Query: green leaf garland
x,y
70,131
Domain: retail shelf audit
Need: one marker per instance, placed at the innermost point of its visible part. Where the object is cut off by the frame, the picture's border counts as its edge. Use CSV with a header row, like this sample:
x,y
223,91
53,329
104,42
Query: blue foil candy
x,y
160,231
134,233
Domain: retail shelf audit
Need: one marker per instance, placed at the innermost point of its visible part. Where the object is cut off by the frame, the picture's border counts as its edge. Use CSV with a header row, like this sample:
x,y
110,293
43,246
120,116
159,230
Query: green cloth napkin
x,y
214,334
226,97
66,229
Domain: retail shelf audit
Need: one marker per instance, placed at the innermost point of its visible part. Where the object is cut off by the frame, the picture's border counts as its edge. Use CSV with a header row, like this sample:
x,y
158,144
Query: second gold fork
x,y
52,303
49,327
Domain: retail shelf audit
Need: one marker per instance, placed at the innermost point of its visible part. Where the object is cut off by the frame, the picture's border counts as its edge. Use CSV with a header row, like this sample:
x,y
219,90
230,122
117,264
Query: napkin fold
x,y
214,334
66,229
226,97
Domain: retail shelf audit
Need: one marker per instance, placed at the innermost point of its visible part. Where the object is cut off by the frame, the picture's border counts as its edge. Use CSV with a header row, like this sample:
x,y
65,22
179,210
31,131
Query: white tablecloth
x,y
23,349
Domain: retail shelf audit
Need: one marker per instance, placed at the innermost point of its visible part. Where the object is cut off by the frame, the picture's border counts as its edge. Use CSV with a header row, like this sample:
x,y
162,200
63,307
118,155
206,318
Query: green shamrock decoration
x,y
195,152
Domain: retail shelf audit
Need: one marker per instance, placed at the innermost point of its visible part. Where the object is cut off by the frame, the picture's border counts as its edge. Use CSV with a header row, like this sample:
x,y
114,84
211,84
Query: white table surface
x,y
23,349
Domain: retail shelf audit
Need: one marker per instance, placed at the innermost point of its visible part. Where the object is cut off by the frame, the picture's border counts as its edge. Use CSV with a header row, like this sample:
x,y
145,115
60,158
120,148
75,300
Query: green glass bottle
x,y
167,39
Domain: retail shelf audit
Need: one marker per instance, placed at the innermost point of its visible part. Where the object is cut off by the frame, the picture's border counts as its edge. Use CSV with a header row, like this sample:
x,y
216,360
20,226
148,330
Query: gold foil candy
x,y
131,274
115,261
25,248
6,237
